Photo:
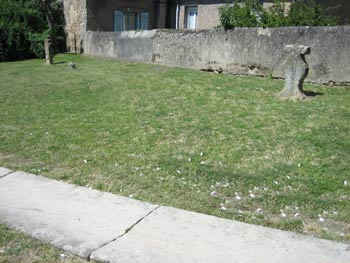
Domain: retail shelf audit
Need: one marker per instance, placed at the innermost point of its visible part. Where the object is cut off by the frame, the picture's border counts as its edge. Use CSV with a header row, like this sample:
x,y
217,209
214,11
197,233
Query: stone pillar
x,y
75,12
48,51
295,71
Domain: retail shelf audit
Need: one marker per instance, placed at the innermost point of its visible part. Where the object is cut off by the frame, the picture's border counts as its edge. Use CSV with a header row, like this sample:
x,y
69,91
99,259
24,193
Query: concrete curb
x,y
4,172
111,228
76,219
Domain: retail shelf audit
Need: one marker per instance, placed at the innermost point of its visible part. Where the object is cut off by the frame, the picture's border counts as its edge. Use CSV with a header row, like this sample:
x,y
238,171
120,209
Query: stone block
x,y
295,71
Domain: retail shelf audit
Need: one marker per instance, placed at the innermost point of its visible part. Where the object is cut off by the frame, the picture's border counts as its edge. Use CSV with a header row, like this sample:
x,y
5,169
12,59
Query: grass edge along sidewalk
x,y
83,220
211,143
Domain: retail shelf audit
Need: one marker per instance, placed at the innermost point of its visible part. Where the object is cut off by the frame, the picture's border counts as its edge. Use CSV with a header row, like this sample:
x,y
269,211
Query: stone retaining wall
x,y
254,51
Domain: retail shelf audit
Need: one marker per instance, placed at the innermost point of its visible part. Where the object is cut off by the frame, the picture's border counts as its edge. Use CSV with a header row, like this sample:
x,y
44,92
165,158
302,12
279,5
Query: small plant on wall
x,y
250,13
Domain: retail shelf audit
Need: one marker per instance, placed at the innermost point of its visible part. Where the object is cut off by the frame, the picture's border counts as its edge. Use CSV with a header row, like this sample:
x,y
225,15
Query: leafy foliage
x,y
310,14
23,28
275,16
250,13
238,15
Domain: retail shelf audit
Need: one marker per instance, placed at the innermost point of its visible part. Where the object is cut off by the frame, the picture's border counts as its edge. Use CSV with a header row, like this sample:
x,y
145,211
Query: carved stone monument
x,y
48,52
295,71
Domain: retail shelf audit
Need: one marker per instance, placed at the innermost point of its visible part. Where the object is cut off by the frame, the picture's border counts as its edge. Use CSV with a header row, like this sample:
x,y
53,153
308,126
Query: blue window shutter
x,y
144,20
118,21
138,21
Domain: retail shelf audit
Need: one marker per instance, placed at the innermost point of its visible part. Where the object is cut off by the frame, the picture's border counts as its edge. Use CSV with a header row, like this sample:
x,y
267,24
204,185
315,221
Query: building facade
x,y
200,14
124,15
204,14
194,14
111,15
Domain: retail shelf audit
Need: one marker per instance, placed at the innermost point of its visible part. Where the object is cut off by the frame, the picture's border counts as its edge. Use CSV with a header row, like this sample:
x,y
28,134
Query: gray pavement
x,y
172,235
109,228
77,219
4,172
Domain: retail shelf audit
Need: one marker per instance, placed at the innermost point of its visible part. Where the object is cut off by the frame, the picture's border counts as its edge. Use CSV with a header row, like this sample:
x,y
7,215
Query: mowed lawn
x,y
212,143
19,248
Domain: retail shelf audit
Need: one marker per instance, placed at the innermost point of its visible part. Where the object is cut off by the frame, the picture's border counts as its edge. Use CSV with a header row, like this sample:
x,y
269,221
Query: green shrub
x,y
275,16
310,13
245,14
23,28
37,43
250,13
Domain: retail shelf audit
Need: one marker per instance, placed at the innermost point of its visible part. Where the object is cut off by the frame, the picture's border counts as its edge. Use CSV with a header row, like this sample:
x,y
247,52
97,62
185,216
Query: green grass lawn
x,y
19,248
212,143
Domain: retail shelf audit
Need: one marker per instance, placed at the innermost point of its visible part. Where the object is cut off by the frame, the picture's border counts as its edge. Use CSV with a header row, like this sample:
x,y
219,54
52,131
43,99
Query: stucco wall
x,y
208,16
128,45
254,51
208,13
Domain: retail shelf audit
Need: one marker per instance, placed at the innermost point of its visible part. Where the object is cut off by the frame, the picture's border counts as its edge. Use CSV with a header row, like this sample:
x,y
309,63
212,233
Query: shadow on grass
x,y
60,62
312,93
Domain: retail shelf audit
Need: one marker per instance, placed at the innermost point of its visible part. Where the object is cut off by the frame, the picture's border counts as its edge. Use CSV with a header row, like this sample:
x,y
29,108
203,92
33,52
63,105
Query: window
x,y
124,21
191,17
144,20
130,21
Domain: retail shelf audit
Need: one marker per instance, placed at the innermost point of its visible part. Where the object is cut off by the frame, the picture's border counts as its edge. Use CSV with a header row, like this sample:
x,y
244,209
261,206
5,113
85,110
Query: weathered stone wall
x,y
75,12
128,45
254,51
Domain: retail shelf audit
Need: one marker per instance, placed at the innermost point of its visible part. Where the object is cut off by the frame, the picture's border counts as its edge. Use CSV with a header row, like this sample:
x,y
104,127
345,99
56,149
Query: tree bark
x,y
51,37
48,13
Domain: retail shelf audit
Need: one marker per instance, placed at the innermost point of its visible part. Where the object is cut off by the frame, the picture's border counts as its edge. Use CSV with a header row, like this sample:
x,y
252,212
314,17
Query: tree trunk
x,y
51,38
48,13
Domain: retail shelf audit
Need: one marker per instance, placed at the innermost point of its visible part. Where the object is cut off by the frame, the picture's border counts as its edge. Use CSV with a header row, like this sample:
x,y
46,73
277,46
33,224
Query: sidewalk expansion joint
x,y
126,232
7,174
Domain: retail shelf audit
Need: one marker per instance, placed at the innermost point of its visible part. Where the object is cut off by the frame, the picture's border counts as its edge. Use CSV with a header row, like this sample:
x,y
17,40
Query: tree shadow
x,y
312,93
60,62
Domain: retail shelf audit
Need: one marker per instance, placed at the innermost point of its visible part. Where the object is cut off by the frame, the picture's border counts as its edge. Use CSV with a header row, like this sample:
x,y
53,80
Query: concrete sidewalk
x,y
109,228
